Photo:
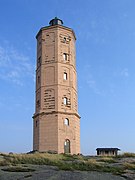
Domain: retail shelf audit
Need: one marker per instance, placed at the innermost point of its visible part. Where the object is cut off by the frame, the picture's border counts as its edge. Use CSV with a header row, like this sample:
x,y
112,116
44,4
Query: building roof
x,y
55,21
108,149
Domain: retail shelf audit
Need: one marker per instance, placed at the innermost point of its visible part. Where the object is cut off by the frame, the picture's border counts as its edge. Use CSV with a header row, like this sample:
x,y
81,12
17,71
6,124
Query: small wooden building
x,y
107,151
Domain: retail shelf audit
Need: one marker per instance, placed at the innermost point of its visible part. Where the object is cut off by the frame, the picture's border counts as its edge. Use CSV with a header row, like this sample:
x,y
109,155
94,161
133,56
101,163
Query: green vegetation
x,y
129,166
126,155
107,159
21,162
18,169
39,158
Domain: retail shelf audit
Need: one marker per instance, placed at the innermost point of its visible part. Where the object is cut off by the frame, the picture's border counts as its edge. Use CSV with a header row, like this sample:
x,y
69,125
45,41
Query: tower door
x,y
67,146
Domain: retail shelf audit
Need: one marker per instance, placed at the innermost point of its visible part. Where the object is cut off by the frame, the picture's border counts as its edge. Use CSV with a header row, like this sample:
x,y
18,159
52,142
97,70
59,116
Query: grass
x,y
40,158
62,161
107,159
126,155
65,162
129,166
18,169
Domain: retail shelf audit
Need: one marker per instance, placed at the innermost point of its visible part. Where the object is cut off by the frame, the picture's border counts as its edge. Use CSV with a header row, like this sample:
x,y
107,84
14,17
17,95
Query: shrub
x,y
127,154
4,163
107,160
129,166
18,169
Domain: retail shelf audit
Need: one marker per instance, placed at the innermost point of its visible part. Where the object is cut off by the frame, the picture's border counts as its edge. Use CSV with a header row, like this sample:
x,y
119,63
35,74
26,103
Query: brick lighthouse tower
x,y
56,124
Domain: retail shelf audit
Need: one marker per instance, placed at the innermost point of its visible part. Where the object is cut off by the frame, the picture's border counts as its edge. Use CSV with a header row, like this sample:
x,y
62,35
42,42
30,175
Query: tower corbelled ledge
x,y
56,124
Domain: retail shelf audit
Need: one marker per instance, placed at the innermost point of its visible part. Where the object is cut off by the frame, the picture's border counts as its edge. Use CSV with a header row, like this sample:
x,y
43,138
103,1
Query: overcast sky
x,y
105,47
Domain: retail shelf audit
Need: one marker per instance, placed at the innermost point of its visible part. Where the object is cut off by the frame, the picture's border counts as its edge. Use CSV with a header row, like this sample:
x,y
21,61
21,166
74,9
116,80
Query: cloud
x,y
14,66
91,80
125,72
93,85
121,73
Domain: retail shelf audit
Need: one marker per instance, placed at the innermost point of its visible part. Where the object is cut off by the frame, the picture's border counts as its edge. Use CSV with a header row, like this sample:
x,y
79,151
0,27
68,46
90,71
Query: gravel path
x,y
52,173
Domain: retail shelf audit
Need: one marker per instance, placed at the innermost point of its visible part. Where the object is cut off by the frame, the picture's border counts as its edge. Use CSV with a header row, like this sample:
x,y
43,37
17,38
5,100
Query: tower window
x,y
65,56
65,101
64,39
38,79
39,61
38,103
66,122
36,123
65,76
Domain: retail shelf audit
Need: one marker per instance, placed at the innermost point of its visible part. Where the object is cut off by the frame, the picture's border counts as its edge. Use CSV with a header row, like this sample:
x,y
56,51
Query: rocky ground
x,y
44,166
43,172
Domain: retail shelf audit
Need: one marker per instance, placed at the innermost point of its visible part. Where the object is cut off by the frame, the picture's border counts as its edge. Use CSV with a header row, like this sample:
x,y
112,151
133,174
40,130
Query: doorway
x,y
67,146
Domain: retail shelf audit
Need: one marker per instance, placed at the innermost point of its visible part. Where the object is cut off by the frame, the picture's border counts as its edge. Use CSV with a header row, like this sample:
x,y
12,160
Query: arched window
x,y
65,76
65,56
65,100
66,121
67,146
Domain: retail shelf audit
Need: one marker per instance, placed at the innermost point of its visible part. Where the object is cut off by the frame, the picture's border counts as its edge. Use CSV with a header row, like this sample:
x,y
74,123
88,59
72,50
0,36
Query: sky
x,y
105,50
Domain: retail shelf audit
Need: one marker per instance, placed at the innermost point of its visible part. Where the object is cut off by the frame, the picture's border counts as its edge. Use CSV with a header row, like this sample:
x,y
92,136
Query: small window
x,y
38,103
66,122
65,76
64,39
36,123
65,101
39,61
38,79
65,56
